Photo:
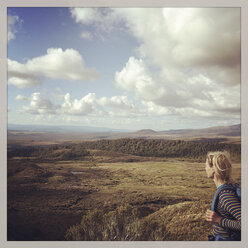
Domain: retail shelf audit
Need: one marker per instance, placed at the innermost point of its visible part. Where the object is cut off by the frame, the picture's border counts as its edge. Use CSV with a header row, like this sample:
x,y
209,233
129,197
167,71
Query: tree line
x,y
163,148
139,147
51,152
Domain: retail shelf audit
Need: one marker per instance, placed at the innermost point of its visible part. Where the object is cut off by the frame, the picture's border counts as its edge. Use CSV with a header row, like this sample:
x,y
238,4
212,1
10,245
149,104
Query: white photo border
x,y
243,4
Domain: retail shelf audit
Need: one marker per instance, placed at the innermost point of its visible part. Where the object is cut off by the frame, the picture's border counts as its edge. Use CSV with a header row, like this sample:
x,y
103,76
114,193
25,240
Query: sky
x,y
124,68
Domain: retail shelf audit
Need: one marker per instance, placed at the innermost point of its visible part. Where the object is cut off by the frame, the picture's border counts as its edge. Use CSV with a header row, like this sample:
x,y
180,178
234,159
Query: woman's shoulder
x,y
228,194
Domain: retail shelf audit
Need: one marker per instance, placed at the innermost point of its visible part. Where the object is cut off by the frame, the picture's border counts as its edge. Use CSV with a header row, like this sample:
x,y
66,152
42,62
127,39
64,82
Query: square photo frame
x,y
5,5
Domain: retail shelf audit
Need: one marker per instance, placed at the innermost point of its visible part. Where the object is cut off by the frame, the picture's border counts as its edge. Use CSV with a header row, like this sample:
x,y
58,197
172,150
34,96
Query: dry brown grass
x,y
172,195
183,221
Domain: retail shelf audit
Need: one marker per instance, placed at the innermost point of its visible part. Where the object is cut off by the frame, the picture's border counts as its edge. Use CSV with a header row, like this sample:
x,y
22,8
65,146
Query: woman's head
x,y
218,164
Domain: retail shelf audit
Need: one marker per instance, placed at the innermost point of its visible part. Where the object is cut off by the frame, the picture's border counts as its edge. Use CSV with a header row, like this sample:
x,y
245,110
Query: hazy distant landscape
x,y
141,185
40,134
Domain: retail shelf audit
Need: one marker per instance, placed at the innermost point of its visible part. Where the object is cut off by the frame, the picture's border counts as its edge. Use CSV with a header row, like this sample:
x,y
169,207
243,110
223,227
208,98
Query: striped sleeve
x,y
218,230
231,204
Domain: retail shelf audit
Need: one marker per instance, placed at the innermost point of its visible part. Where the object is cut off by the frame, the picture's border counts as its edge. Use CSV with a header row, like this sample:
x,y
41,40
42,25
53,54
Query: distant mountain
x,y
34,132
146,132
234,130
61,129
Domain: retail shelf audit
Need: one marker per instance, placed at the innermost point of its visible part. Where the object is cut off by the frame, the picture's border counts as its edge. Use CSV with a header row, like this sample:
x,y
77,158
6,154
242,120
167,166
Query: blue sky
x,y
128,68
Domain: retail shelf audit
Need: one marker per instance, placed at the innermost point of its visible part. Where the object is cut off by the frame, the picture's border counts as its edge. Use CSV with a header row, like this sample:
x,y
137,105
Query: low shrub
x,y
183,221
120,224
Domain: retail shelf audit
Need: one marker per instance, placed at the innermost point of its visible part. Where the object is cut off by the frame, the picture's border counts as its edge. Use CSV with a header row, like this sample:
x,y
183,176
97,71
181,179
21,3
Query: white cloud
x,y
56,64
188,59
207,39
121,111
40,105
86,15
103,106
117,102
21,98
84,106
187,64
104,20
153,109
12,21
86,35
196,57
135,77
195,95
24,81
119,106
88,105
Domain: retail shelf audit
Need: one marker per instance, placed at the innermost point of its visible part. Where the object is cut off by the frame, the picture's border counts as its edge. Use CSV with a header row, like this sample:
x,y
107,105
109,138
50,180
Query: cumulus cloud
x,y
83,106
154,109
116,108
196,56
135,77
56,64
207,39
187,61
12,21
103,106
104,20
24,80
88,105
197,95
91,15
40,105
117,102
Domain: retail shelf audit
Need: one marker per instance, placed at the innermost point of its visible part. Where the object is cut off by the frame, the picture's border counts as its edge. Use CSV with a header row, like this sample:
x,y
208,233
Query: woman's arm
x,y
231,204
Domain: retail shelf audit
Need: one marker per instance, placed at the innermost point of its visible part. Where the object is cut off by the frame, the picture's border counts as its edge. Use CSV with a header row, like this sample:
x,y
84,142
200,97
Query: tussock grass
x,y
182,221
121,224
167,199
177,193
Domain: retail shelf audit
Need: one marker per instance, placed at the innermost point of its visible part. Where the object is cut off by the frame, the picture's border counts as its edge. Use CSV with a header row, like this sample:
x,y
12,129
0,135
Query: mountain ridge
x,y
87,133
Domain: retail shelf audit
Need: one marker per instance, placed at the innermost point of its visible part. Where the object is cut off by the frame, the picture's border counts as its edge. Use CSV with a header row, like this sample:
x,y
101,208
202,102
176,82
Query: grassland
x,y
45,198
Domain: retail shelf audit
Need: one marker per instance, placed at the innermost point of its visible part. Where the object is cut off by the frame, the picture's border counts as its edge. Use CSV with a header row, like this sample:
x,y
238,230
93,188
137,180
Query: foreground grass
x,y
182,222
162,200
181,186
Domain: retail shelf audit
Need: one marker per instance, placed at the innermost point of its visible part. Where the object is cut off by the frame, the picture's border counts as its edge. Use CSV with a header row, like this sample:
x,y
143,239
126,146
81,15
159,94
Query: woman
x,y
226,217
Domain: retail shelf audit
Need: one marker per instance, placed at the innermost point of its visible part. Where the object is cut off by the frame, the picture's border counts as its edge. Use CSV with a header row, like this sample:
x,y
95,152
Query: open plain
x,y
46,197
74,190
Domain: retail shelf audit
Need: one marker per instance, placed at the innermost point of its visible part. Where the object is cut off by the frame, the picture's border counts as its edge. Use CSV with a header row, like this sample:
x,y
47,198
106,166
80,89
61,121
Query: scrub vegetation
x,y
105,191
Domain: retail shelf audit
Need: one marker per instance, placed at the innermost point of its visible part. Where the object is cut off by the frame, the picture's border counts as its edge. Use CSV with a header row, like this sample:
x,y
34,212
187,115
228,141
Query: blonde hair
x,y
221,162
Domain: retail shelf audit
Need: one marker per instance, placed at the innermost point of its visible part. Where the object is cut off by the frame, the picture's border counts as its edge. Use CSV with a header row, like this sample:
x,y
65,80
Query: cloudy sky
x,y
124,68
